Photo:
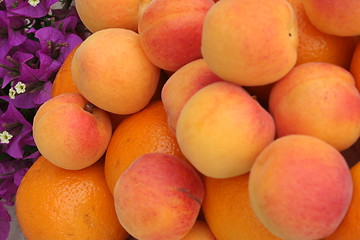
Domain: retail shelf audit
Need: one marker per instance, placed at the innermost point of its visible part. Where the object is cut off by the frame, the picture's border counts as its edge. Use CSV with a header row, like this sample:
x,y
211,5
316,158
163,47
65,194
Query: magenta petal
x,y
14,147
25,9
7,79
8,190
73,40
67,24
21,130
19,175
13,115
44,94
16,37
29,74
22,101
49,34
7,168
20,58
29,46
4,47
31,99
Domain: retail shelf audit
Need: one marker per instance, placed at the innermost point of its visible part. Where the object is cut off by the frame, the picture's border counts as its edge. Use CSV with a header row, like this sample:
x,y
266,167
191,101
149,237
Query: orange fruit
x,y
199,231
142,132
316,46
54,203
63,82
349,227
228,212
355,66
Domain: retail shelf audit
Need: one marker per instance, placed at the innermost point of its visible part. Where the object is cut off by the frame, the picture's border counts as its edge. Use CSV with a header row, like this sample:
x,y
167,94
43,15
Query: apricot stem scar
x,y
187,192
89,107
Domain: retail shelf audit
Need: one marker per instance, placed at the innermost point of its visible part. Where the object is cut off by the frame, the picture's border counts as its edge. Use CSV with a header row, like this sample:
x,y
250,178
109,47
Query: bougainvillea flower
x,y
8,189
11,33
36,94
29,8
11,173
14,123
68,19
69,22
11,67
56,44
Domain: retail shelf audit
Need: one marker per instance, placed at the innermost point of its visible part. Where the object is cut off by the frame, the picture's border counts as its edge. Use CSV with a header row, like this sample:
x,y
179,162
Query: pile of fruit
x,y
195,119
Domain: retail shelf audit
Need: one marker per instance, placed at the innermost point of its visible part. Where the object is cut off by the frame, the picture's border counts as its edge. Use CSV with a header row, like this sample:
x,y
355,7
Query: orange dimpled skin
x,y
228,212
143,132
317,46
54,203
63,82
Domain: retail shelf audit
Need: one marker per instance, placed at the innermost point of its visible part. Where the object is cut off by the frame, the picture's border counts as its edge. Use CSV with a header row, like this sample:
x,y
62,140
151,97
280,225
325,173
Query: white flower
x,y
12,93
5,136
20,87
34,3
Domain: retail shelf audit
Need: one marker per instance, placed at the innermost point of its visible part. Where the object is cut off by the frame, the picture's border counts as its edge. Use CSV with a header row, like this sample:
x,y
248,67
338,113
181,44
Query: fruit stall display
x,y
180,120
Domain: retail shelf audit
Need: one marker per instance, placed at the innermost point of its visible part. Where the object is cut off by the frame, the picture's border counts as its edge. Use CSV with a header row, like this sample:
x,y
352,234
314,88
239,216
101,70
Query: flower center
x,y
34,3
5,136
55,48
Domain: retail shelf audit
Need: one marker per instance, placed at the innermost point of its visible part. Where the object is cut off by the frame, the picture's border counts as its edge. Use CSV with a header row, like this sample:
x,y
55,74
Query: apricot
x,y
98,15
317,99
170,31
335,17
300,187
158,197
111,70
250,43
221,130
70,132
